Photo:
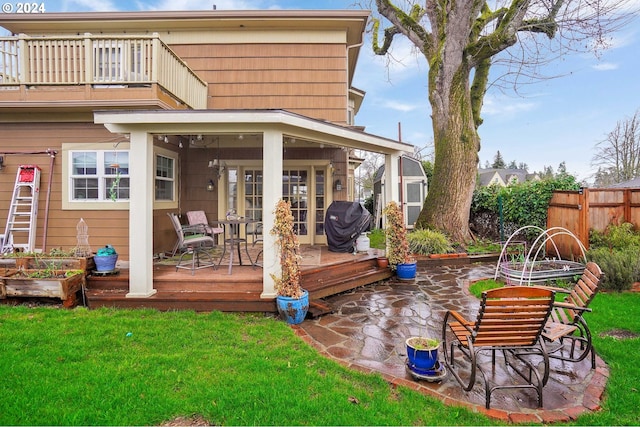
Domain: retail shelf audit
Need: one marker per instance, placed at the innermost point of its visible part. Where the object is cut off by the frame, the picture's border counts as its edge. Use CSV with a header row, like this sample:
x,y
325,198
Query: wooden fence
x,y
587,209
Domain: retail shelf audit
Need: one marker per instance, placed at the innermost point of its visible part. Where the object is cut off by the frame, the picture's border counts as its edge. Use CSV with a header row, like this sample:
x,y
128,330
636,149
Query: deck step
x,y
234,292
319,308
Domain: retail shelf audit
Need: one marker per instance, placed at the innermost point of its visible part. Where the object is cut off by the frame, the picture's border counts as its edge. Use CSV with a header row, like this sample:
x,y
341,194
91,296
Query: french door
x,y
303,187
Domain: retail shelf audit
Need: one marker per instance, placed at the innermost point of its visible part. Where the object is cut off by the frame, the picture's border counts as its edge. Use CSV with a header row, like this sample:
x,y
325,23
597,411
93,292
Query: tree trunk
x,y
457,144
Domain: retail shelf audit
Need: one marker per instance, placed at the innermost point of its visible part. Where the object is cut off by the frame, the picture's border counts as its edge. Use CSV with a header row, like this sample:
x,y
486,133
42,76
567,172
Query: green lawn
x,y
143,367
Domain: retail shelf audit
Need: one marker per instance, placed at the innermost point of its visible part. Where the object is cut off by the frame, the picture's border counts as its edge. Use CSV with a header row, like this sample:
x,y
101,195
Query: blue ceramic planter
x,y
105,262
421,359
293,310
406,271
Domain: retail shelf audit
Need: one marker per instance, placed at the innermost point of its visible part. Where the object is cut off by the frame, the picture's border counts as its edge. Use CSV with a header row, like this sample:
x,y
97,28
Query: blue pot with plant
x,y
106,258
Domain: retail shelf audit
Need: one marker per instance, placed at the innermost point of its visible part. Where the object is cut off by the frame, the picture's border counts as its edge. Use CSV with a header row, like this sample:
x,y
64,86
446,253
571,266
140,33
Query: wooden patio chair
x,y
567,325
510,320
200,217
193,240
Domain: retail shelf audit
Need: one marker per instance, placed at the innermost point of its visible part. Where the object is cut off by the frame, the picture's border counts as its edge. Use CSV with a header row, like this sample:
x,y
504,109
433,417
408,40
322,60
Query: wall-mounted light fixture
x,y
338,185
210,185
1,162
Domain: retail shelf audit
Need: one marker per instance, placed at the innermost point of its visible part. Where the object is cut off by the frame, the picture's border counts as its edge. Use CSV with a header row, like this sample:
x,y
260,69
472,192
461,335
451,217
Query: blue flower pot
x,y
406,271
293,310
421,359
105,262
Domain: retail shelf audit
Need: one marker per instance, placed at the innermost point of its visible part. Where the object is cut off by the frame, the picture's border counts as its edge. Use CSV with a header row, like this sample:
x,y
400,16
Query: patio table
x,y
233,239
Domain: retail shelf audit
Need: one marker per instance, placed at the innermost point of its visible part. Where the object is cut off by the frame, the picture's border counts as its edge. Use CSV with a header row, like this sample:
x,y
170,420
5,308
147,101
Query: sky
x,y
544,123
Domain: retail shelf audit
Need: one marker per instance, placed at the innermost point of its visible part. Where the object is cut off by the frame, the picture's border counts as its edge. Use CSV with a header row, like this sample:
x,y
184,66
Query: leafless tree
x,y
618,156
461,41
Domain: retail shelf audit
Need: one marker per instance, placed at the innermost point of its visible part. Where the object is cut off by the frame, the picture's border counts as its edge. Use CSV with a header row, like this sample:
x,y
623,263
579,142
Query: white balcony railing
x,y
99,60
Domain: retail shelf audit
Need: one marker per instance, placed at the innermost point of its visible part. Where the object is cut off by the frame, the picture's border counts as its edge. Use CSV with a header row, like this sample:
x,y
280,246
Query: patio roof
x,y
246,121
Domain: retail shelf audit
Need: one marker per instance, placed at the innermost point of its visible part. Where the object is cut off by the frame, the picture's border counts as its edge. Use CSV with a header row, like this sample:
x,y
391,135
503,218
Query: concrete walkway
x,y
369,325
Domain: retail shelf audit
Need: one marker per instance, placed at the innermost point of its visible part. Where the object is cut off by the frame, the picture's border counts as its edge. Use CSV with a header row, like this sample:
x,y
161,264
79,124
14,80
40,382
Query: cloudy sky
x,y
544,123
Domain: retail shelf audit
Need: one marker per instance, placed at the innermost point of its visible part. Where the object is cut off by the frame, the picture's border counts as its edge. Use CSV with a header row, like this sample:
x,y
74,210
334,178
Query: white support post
x,y
272,192
141,215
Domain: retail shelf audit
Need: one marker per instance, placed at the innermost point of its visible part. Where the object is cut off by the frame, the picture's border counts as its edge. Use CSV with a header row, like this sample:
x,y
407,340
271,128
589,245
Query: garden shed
x,y
413,189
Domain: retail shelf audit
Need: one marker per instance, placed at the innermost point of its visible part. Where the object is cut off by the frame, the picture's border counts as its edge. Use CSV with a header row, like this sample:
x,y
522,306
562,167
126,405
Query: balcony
x,y
96,71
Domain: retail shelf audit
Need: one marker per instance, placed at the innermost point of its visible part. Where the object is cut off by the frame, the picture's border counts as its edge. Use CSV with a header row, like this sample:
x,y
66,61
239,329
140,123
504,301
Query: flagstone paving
x,y
369,325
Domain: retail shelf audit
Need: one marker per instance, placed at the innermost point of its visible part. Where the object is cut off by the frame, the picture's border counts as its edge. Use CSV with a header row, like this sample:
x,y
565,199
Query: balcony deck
x,y
210,289
96,71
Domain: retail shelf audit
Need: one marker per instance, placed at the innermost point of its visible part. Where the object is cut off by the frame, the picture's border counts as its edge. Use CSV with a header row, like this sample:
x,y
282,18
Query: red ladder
x,y
20,231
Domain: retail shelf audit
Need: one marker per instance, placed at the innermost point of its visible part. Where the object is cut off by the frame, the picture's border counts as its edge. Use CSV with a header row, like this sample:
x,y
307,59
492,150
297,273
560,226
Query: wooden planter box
x,y
58,263
16,283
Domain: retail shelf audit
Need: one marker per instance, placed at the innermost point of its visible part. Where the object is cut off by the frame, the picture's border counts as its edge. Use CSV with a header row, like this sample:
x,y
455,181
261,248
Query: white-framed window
x,y
99,175
165,178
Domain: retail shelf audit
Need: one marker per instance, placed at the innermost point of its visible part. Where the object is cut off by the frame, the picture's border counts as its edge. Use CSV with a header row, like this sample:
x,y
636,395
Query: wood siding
x,y
308,79
61,228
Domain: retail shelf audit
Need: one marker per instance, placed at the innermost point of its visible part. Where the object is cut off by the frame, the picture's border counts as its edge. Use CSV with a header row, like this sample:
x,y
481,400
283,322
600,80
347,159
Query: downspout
x,y
400,172
52,156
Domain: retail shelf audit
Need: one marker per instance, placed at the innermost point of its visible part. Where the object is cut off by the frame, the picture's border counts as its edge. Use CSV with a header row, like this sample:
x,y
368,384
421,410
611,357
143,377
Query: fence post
x,y
583,226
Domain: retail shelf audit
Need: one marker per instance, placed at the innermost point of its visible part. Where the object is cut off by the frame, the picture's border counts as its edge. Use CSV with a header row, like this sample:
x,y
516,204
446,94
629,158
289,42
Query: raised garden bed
x,y
57,263
540,271
63,284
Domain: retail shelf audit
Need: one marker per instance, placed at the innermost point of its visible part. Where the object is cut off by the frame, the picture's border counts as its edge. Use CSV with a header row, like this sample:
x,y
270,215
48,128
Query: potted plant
x,y
292,301
105,259
422,354
398,251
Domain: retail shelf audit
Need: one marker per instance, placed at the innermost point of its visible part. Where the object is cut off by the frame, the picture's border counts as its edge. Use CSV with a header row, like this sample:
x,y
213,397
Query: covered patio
x,y
271,131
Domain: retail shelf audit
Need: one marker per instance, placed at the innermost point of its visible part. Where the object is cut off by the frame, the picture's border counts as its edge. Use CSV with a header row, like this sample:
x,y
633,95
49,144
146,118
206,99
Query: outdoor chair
x,y
255,231
510,320
193,240
199,217
566,324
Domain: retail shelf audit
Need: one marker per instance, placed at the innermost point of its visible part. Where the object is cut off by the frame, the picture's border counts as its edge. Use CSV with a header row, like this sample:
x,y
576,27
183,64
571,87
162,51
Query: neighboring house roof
x,y
503,177
633,183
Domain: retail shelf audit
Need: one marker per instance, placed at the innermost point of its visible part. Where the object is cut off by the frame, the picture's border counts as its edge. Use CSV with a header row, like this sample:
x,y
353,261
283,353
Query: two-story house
x,y
130,115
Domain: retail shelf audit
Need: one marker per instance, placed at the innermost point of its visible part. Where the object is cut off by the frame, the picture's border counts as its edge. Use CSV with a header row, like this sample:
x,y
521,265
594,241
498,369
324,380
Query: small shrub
x,y
425,242
615,237
621,268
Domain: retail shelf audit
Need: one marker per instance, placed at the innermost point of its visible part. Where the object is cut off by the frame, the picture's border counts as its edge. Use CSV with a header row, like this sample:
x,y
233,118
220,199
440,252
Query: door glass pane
x,y
320,202
253,194
295,190
412,214
413,192
232,190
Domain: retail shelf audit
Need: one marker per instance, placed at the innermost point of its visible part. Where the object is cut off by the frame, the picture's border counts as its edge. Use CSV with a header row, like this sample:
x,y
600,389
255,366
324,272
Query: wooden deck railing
x,y
99,60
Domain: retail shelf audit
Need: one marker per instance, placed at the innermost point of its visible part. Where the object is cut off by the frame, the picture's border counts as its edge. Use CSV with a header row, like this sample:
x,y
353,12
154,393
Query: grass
x,y
143,367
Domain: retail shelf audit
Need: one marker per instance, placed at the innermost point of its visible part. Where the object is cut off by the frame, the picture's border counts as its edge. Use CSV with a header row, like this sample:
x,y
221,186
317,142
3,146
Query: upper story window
x,y
99,175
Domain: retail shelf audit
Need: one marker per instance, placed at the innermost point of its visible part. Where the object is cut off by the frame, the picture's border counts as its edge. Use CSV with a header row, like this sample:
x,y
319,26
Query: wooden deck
x,y
210,289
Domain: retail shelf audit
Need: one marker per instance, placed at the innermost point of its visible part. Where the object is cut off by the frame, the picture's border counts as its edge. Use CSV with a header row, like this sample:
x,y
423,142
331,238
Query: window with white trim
x,y
165,178
99,175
